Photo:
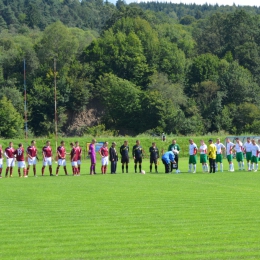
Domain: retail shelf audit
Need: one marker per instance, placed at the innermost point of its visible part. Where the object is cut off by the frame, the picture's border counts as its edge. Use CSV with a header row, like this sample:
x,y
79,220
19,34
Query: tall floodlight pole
x,y
55,105
25,102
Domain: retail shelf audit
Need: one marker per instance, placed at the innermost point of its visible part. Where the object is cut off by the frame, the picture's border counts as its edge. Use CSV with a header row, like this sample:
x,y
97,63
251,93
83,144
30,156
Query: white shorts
x,y
79,162
47,161
10,162
74,164
62,162
104,160
1,163
32,161
21,164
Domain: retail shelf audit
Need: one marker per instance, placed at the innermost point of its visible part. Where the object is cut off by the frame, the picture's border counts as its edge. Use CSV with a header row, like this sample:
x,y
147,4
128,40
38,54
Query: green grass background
x,y
131,216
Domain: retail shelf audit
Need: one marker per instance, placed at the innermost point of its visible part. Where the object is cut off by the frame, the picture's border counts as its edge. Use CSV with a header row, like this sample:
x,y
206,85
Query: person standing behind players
x,y
79,153
104,157
203,156
113,157
32,156
154,155
175,147
248,152
61,152
193,149
47,157
254,157
138,155
219,159
230,146
239,154
92,155
19,152
10,159
73,159
167,159
1,160
212,153
124,151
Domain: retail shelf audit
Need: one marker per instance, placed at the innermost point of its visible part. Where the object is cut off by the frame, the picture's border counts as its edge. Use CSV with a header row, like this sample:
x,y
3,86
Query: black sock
x,y
135,168
140,167
123,168
156,168
151,168
126,168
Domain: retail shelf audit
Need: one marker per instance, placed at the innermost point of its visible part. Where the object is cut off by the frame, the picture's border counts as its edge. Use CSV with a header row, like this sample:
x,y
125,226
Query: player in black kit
x,y
154,155
138,155
124,150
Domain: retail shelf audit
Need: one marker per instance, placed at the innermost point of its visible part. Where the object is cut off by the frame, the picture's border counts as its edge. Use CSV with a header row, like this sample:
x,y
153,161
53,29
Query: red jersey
x,y
32,151
104,151
1,153
78,152
47,151
61,152
19,154
9,151
72,153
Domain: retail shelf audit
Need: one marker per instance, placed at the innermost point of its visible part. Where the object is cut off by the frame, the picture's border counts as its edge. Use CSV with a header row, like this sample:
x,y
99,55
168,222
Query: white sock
x,y
252,166
216,167
189,167
194,167
248,165
243,166
221,167
207,168
256,166
232,166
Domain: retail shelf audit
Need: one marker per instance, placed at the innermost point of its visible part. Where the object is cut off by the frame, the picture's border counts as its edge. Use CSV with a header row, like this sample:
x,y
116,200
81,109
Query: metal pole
x,y
55,105
25,102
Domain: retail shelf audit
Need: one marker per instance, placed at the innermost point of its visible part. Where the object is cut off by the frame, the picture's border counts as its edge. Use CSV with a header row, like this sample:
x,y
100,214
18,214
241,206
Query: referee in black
x,y
138,155
154,155
124,151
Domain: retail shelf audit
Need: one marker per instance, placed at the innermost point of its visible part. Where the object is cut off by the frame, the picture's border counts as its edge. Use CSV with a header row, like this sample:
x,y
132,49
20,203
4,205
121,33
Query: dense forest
x,y
129,69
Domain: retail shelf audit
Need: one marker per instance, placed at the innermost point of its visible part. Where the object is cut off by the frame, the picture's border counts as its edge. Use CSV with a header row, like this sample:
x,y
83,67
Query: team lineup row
x,y
170,159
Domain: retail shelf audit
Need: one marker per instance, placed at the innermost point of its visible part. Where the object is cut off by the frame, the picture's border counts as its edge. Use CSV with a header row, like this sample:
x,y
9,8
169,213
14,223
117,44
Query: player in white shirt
x,y
239,154
248,152
229,149
219,159
203,156
255,149
192,155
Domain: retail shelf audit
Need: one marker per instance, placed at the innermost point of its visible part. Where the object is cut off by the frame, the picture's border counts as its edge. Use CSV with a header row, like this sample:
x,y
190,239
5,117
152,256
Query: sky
x,y
200,2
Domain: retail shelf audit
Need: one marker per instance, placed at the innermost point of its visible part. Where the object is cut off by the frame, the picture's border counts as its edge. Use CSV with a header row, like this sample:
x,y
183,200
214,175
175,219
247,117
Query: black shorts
x,y
153,160
125,160
138,160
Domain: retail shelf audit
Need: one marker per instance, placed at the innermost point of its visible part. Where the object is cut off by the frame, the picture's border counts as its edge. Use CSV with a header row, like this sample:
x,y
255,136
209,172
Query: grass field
x,y
131,216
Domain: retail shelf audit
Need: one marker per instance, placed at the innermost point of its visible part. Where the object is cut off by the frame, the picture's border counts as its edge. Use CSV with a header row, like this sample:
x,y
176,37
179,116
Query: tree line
x,y
138,71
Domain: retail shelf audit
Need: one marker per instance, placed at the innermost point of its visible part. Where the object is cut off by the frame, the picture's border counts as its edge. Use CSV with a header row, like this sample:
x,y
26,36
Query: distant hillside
x,y
91,14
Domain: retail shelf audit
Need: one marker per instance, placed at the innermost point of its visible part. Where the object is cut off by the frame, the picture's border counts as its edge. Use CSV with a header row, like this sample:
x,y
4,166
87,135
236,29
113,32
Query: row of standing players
x,y
214,153
12,155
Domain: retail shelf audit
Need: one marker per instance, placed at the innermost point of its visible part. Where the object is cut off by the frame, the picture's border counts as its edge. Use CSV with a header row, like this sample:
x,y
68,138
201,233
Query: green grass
x,y
131,216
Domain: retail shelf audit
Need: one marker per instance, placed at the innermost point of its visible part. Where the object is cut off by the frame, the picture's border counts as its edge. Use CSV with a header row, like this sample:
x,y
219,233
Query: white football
x,y
143,171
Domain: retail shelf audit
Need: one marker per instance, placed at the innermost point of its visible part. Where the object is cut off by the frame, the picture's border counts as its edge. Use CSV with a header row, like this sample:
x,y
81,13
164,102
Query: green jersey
x,y
174,147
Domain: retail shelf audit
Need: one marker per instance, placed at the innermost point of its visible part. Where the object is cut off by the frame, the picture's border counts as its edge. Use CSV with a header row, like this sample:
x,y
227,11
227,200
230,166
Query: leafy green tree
x,y
11,121
187,20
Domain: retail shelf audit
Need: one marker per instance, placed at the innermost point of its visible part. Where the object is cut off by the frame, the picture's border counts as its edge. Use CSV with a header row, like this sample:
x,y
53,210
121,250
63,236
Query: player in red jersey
x,y
61,152
74,159
19,152
47,157
79,153
10,159
104,157
32,157
1,160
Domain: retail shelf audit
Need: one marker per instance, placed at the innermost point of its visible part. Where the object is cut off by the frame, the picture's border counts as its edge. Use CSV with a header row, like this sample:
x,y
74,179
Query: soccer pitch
x,y
131,216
